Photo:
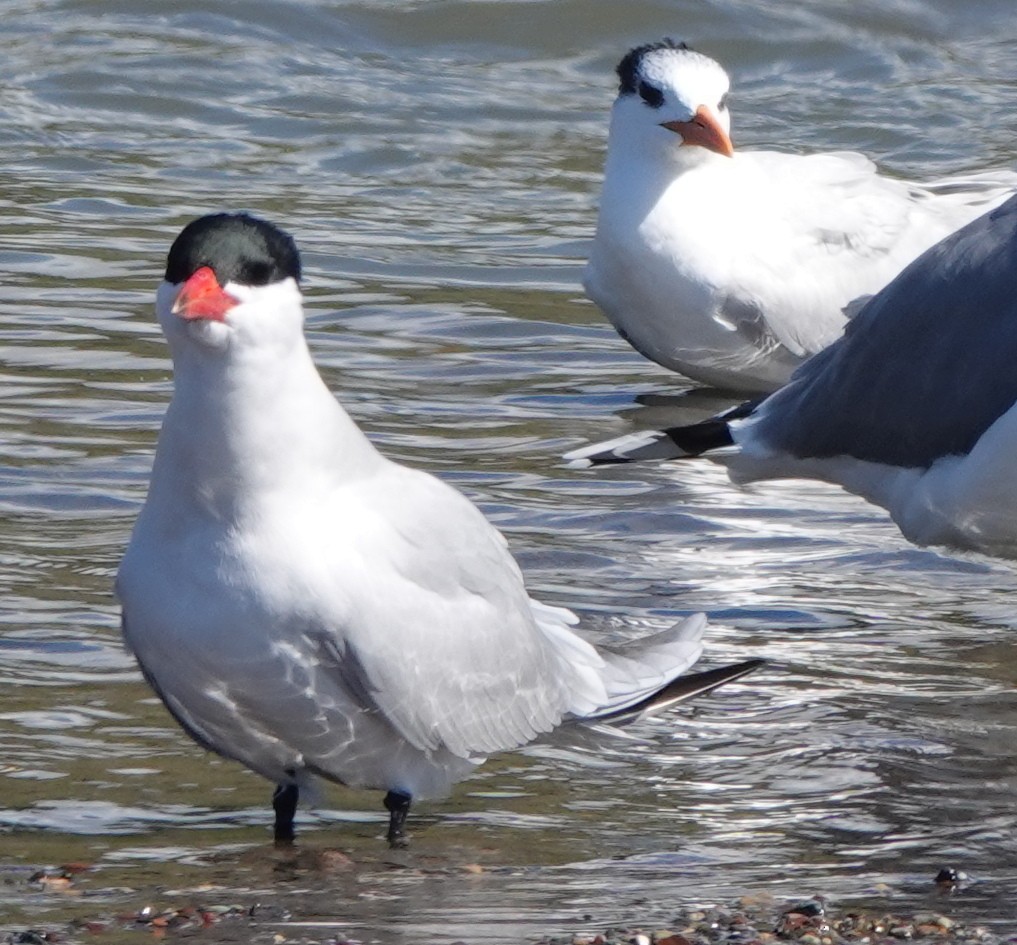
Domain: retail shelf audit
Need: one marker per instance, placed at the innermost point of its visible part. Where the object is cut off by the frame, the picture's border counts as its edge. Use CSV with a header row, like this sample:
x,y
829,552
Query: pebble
x,y
755,920
948,876
812,921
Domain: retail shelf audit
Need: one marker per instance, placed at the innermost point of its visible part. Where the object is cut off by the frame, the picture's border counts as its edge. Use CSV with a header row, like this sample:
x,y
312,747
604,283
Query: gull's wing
x,y
923,370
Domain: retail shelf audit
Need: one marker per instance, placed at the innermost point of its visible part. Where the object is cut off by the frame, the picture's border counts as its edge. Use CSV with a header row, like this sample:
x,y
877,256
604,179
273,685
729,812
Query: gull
x,y
307,607
914,408
732,267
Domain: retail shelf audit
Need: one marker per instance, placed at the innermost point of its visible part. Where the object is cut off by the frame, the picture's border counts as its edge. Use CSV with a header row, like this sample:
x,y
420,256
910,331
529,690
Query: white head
x,y
231,288
670,96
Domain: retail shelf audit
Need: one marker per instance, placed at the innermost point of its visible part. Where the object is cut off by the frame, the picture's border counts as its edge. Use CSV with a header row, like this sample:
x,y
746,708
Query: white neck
x,y
642,163
251,421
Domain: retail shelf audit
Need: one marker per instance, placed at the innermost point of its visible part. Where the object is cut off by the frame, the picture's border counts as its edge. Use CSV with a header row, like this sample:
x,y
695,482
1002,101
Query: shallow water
x,y
439,164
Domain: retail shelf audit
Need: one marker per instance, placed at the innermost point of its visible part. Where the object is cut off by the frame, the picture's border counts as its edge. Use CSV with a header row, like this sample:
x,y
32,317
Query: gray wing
x,y
924,369
443,635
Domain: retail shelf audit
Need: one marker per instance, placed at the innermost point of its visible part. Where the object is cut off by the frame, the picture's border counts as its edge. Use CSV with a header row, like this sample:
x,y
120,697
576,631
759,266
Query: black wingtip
x,y
607,458
697,684
673,443
699,438
688,687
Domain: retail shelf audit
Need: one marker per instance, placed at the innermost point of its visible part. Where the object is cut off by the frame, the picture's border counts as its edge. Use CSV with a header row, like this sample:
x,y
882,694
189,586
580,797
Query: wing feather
x,y
443,632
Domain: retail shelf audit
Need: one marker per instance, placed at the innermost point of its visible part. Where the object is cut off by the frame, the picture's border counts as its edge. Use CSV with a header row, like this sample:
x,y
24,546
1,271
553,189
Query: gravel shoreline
x,y
759,919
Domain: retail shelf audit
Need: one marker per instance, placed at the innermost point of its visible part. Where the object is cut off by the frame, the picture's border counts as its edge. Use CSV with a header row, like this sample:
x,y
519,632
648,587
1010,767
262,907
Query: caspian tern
x,y
731,267
914,408
305,606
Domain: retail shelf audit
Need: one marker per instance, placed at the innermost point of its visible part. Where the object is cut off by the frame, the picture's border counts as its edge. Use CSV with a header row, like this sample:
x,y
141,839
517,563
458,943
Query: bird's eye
x,y
722,104
256,273
652,96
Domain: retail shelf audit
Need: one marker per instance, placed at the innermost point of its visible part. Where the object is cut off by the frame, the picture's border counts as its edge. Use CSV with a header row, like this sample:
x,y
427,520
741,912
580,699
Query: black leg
x,y
284,801
398,806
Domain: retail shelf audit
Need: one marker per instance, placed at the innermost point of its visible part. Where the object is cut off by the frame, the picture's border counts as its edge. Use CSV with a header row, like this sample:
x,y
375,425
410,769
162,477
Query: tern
x,y
309,608
731,267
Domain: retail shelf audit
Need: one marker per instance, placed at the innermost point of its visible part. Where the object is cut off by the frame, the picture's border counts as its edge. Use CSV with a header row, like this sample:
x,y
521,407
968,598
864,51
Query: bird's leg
x,y
284,802
398,805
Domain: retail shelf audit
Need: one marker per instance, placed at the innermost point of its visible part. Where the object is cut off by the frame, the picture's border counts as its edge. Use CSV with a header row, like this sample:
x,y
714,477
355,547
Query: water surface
x,y
439,164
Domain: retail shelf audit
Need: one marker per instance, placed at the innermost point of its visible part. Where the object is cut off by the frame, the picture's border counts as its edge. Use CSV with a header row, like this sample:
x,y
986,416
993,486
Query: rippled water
x,y
439,164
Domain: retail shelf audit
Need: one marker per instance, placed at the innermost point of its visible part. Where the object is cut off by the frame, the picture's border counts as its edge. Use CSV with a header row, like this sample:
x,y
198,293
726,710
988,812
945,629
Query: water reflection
x,y
439,164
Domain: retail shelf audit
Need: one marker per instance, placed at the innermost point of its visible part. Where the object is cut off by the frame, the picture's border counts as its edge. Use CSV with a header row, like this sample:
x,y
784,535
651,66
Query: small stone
x,y
334,860
75,867
755,901
948,876
665,937
269,912
810,907
792,922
